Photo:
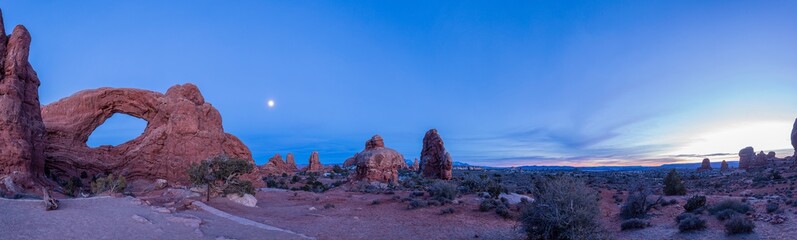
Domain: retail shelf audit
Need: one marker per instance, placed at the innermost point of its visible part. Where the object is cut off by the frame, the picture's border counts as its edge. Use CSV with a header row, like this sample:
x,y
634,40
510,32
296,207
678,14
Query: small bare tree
x,y
637,205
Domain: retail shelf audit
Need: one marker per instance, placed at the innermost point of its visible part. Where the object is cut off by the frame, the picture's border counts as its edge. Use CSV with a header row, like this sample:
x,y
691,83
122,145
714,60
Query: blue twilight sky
x,y
505,82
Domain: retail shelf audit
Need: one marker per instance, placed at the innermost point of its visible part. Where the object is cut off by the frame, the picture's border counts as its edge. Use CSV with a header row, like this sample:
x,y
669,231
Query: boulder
x,y
246,200
724,166
376,163
435,160
160,183
314,164
21,128
746,156
705,166
182,129
514,198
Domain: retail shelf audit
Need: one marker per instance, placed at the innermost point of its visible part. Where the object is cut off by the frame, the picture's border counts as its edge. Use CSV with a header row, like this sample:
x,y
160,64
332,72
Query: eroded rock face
x,y
181,129
291,163
314,164
705,166
435,160
376,162
276,165
724,166
746,156
21,128
760,159
771,156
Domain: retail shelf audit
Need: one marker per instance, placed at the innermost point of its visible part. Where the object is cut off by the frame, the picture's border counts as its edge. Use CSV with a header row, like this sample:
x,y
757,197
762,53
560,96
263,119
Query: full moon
x,y
270,103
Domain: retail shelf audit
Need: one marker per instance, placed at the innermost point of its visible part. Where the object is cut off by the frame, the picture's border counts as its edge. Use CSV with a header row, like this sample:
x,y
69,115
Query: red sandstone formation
x,y
746,156
705,166
771,156
415,165
794,139
314,164
376,162
760,159
435,160
275,165
724,166
181,129
291,163
21,127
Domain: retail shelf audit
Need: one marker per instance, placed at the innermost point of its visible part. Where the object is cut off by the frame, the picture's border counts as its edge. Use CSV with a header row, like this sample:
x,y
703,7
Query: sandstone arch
x,y
181,129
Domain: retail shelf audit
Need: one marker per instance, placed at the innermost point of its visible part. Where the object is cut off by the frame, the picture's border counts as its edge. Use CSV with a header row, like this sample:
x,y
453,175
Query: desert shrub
x,y
725,214
688,222
637,204
738,225
489,204
72,187
495,189
776,175
695,203
443,191
329,205
503,211
376,202
415,203
634,223
447,211
682,216
417,194
109,183
295,179
221,172
472,183
673,185
315,186
772,207
731,204
565,208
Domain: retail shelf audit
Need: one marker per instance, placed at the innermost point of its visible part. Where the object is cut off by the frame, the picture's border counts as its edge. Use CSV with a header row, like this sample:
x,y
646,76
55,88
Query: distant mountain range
x,y
716,165
456,164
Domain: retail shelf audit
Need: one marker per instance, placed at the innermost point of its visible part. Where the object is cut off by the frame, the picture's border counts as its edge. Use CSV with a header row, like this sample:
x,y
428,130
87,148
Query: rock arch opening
x,y
116,130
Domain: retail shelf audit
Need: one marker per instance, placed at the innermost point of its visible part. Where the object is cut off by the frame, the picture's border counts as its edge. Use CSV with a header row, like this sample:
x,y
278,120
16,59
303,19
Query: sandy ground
x,y
113,218
355,217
